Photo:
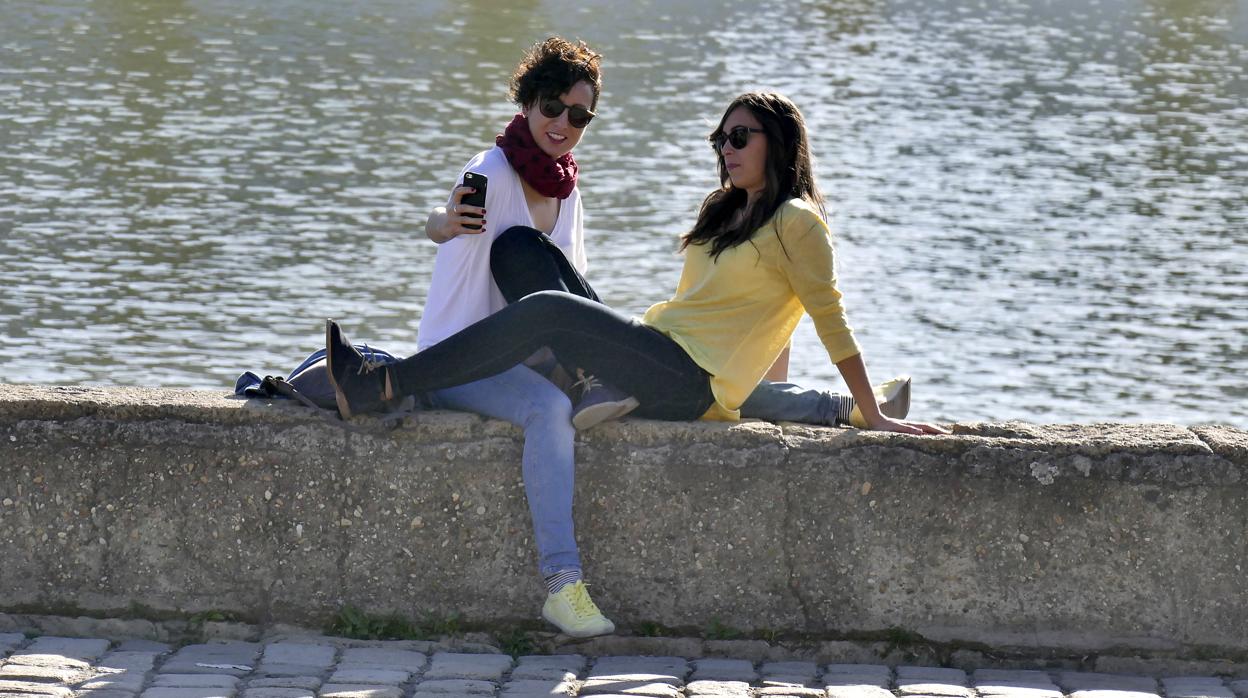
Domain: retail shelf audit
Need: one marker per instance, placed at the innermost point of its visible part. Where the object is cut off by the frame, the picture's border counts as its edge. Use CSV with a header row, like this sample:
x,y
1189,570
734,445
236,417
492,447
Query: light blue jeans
x,y
523,397
786,402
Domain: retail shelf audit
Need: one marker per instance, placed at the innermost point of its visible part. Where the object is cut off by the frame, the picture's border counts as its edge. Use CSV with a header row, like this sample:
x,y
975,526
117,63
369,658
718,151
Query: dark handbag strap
x,y
277,385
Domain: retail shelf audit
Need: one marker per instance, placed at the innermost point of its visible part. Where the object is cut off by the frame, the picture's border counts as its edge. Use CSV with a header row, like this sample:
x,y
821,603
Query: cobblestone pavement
x,y
60,667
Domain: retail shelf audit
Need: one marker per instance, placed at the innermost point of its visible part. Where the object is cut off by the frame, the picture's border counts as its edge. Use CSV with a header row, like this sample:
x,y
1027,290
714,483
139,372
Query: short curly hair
x,y
551,67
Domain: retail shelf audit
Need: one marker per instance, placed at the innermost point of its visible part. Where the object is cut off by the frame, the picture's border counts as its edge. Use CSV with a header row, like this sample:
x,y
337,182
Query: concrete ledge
x,y
1012,535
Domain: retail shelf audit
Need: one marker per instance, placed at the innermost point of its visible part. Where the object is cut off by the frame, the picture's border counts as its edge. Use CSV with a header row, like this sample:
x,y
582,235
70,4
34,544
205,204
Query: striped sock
x,y
562,578
842,412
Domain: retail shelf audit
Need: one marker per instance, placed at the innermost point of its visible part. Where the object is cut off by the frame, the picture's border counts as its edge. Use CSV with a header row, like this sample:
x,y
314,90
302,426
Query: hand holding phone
x,y
476,199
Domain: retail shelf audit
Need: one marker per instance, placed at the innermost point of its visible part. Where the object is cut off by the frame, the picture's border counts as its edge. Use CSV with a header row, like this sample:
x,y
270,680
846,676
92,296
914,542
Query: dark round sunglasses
x,y
579,117
738,137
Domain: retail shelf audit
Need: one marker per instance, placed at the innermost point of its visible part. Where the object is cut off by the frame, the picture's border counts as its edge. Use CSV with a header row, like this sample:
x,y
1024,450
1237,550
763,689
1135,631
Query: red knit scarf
x,y
547,176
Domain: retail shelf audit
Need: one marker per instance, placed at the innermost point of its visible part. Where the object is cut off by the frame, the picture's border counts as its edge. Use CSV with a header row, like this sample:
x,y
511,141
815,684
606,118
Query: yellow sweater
x,y
735,315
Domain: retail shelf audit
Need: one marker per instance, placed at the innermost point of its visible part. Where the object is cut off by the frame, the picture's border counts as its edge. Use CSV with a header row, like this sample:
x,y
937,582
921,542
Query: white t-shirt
x,y
463,291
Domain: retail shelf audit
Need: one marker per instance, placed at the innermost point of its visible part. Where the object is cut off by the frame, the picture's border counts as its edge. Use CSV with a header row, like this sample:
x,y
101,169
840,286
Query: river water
x,y
1040,206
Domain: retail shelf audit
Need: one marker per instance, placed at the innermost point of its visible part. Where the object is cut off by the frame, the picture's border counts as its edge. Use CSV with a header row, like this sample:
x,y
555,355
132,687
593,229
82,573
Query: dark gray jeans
x,y
523,261
619,350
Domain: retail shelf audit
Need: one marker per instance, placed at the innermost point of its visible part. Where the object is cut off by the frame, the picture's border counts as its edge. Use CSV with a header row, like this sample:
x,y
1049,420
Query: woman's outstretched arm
x,y
854,371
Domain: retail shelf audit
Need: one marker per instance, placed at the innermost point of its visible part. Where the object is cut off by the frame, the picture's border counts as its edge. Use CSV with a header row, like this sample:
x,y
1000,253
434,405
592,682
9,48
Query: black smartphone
x,y
476,198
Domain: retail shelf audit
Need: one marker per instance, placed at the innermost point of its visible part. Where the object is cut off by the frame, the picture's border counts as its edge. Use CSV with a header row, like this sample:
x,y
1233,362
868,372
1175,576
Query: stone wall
x,y
166,503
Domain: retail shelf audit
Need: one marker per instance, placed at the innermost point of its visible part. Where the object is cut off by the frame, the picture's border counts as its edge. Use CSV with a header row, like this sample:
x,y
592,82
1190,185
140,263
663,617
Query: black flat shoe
x,y
359,384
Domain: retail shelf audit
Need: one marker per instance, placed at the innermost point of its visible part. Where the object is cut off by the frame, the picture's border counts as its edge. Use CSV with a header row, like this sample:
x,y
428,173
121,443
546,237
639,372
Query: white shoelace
x,y
586,383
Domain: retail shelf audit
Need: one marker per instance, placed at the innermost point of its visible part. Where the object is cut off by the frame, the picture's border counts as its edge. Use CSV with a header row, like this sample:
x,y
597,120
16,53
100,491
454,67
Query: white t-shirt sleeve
x,y
482,164
462,290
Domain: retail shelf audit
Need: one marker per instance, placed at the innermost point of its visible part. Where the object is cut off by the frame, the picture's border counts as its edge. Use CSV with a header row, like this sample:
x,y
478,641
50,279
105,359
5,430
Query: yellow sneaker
x,y
574,612
893,398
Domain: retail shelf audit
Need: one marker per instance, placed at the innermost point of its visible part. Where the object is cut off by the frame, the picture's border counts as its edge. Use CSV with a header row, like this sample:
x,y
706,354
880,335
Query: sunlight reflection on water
x,y
1039,206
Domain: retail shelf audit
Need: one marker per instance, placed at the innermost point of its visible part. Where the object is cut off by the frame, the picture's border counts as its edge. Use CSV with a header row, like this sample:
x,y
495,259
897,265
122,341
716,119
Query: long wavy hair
x,y
788,173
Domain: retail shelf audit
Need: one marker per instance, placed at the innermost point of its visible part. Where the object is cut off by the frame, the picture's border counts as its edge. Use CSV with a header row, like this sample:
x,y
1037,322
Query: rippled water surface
x,y
1041,207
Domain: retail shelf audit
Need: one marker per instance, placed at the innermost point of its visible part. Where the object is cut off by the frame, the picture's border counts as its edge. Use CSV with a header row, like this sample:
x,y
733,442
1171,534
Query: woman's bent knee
x,y
515,239
549,304
550,410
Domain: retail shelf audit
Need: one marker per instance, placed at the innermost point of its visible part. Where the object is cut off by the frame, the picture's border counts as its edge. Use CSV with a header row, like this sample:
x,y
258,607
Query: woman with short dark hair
x,y
532,178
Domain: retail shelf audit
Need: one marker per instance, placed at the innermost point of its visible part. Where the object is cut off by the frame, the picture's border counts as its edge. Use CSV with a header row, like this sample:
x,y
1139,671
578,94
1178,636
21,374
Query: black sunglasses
x,y
738,137
579,117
